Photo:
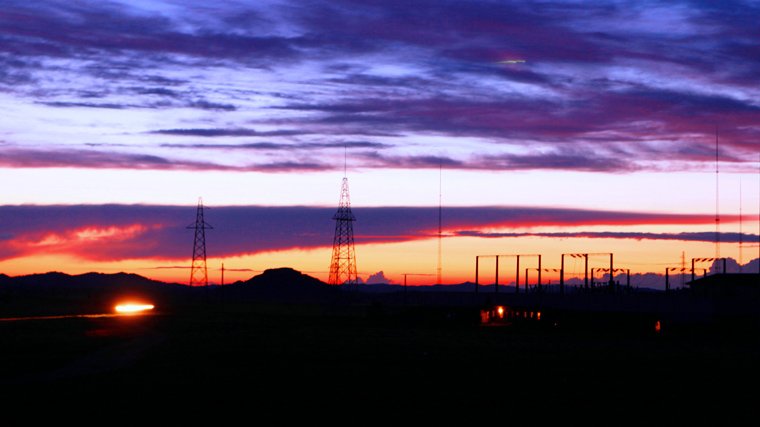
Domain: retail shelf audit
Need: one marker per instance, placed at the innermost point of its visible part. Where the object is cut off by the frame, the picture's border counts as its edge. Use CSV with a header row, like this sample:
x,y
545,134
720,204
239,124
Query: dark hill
x,y
280,284
59,293
87,281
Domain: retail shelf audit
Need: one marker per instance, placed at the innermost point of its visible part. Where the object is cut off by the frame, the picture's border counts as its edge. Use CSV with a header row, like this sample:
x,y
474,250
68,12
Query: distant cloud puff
x,y
378,278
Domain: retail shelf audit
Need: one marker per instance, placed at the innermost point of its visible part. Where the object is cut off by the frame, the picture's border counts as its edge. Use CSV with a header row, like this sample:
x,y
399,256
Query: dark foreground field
x,y
240,364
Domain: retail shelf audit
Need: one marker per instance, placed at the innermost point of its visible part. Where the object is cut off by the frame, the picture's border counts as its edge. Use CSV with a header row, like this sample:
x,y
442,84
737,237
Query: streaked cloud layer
x,y
280,86
116,232
598,119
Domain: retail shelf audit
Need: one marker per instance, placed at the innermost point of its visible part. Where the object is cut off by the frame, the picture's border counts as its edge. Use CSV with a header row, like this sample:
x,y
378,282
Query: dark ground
x,y
285,366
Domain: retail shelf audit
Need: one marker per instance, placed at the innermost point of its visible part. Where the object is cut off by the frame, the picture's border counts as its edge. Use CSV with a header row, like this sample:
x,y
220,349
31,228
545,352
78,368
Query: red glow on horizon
x,y
78,241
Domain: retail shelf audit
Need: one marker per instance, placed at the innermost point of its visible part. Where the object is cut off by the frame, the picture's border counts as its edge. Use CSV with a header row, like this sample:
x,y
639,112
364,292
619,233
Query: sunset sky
x,y
547,126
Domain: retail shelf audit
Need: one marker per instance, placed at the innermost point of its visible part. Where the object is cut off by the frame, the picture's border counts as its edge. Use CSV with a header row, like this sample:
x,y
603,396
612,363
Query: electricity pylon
x,y
343,265
198,272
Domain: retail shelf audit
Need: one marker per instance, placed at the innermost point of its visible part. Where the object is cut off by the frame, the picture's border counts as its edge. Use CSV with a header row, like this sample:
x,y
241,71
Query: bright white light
x,y
133,308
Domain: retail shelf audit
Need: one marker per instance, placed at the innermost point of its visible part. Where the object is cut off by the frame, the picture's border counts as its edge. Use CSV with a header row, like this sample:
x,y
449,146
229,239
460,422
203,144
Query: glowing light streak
x,y
69,316
512,61
133,308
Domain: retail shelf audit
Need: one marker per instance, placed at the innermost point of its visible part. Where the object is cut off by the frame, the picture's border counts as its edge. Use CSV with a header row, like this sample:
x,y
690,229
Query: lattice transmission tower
x,y
343,265
198,272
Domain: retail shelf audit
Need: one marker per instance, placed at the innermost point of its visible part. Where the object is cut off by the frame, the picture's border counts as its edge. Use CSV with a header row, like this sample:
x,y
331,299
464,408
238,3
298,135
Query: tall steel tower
x,y
343,265
198,273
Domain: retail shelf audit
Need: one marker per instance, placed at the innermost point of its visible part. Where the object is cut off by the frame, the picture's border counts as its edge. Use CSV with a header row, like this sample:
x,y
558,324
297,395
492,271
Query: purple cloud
x,y
563,160
226,132
605,78
686,237
114,232
91,159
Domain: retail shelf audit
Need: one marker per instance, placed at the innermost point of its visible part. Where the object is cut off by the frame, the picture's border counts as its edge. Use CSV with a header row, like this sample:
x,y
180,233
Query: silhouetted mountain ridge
x,y
83,281
279,284
59,293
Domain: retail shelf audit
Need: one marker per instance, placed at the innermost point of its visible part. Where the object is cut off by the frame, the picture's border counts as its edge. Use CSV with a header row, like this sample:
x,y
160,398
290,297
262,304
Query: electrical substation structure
x,y
585,282
343,264
716,265
627,272
538,287
683,271
517,270
198,272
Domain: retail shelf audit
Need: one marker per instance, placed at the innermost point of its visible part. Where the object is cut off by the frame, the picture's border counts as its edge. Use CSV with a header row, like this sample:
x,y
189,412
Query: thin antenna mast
x,y
439,279
717,205
740,224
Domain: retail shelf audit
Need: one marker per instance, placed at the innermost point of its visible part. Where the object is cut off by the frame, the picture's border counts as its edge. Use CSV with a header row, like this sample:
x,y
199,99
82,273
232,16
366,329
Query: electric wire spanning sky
x,y
560,126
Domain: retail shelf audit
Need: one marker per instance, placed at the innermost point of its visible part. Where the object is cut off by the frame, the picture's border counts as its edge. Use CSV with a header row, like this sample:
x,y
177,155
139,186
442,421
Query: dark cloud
x,y
686,237
227,132
554,121
365,80
460,31
250,146
291,167
17,158
474,30
158,91
444,115
206,105
271,146
563,159
161,81
202,105
377,160
600,73
71,29
84,104
11,77
464,218
22,158
115,232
